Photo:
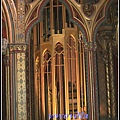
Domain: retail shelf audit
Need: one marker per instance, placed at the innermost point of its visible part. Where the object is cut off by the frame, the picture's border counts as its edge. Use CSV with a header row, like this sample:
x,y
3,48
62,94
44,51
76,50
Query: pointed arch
x,y
73,37
102,20
8,17
45,50
40,12
47,73
59,78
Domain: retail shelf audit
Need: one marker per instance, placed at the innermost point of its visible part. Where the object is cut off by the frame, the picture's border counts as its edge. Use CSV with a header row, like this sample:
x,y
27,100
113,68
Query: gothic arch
x,y
4,32
6,21
73,37
101,20
40,9
9,19
45,51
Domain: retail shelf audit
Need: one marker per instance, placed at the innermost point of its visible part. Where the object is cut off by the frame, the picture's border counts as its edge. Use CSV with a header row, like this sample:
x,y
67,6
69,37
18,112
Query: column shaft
x,y
92,93
112,81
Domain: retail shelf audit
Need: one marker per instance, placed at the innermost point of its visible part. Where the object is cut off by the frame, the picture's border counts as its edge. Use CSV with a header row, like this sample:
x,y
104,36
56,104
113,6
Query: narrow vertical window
x,y
38,34
46,22
71,58
59,77
82,73
57,13
69,23
47,83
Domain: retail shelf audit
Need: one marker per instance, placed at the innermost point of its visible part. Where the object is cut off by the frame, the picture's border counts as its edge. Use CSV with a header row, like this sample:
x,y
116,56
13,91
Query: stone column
x,y
91,79
104,45
107,42
6,82
18,76
42,91
19,48
66,85
105,58
54,103
115,60
112,80
12,86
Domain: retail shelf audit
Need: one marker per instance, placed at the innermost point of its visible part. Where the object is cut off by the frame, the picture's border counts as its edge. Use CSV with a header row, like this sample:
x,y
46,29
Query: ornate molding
x,y
21,21
17,48
106,37
13,9
21,103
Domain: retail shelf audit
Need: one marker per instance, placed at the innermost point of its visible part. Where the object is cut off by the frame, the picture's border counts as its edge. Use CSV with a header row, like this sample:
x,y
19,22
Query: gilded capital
x,y
104,38
90,46
17,48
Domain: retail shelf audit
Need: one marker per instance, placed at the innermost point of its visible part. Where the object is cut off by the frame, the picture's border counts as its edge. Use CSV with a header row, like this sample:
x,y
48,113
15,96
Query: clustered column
x,y
19,81
91,78
106,41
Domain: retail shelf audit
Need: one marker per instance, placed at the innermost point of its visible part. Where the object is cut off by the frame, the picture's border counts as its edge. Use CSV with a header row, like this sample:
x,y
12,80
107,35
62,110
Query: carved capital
x,y
105,34
104,38
17,48
90,46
